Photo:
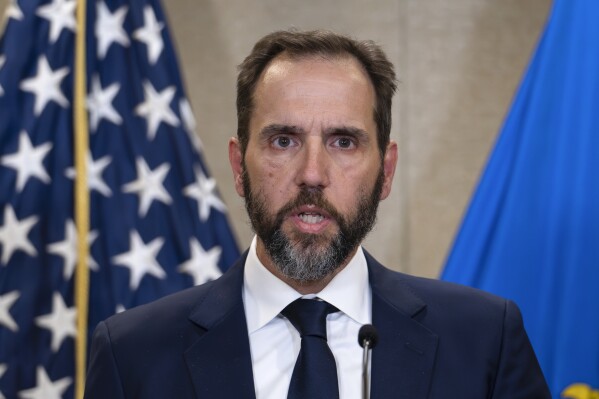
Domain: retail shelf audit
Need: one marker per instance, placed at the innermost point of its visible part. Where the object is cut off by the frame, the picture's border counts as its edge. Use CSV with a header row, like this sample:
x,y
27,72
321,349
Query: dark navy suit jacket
x,y
437,340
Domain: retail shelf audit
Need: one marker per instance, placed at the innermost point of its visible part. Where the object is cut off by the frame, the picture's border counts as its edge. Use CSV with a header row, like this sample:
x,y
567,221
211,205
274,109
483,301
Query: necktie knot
x,y
309,316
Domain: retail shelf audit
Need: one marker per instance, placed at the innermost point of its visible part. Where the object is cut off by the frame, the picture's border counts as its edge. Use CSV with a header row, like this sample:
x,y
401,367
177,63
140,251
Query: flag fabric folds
x,y
531,232
157,224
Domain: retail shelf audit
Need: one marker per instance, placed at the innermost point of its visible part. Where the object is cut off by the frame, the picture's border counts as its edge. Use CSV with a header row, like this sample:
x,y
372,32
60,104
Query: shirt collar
x,y
265,296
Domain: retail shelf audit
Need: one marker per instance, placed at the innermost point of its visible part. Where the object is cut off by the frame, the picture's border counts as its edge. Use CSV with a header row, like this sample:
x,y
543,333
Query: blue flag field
x,y
156,222
531,232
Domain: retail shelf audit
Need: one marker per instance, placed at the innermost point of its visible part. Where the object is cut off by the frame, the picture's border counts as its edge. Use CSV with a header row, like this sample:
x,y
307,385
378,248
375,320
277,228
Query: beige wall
x,y
459,62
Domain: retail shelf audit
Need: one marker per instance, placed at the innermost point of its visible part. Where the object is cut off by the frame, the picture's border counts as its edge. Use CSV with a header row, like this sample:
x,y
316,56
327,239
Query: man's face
x,y
312,174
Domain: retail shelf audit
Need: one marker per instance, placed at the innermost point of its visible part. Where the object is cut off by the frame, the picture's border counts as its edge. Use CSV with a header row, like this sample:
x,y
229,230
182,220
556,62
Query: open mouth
x,y
311,218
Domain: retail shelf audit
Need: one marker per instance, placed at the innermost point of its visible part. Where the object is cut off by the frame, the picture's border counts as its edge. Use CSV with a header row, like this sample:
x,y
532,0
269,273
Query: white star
x,y
28,161
61,15
14,11
99,103
6,302
13,234
61,322
202,190
94,174
141,259
202,266
45,388
2,61
156,108
149,185
150,34
109,28
189,122
67,248
46,86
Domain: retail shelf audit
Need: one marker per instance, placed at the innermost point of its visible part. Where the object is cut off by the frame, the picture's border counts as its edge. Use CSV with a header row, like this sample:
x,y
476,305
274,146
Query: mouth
x,y
311,219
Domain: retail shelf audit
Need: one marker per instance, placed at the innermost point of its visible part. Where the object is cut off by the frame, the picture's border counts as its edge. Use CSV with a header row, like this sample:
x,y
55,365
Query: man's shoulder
x,y
175,312
437,296
169,311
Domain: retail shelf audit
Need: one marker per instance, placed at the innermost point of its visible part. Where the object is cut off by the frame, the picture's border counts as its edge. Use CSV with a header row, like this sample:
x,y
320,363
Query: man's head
x,y
312,158
325,44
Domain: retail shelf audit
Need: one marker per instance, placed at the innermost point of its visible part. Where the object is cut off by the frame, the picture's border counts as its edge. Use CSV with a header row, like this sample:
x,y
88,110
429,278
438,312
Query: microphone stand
x,y
367,338
365,373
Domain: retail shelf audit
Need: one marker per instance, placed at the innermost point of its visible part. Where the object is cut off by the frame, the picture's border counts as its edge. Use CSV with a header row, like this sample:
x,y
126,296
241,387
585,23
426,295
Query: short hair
x,y
324,43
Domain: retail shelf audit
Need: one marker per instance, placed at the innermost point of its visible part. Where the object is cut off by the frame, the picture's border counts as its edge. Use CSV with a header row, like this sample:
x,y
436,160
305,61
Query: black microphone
x,y
368,337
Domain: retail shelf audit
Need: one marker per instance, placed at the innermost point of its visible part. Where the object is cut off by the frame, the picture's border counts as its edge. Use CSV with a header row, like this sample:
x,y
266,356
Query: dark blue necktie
x,y
315,373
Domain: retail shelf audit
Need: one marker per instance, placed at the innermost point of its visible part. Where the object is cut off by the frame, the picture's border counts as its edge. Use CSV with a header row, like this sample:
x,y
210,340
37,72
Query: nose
x,y
313,169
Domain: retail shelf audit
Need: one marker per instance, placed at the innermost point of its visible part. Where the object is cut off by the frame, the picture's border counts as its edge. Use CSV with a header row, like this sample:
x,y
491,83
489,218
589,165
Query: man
x,y
312,159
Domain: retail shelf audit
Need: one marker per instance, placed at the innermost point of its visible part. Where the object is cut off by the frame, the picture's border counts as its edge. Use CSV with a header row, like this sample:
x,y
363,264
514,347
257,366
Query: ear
x,y
236,161
389,163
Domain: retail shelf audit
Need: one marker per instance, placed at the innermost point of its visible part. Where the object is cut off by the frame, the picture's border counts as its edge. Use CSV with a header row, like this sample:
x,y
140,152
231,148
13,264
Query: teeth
x,y
310,218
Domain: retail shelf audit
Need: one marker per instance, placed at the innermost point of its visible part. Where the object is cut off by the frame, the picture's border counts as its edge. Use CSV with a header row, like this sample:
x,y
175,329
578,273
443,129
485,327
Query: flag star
x,y
150,34
27,161
203,265
46,85
45,388
6,302
2,61
67,249
202,190
109,28
13,234
189,122
94,174
149,185
141,259
60,14
156,108
14,11
99,103
60,322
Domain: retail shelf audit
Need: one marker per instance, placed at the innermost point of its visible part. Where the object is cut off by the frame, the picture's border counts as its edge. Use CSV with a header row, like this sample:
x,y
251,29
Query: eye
x,y
344,143
282,142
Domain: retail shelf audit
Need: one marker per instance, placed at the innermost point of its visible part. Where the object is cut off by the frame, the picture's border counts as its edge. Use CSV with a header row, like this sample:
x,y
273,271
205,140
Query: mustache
x,y
309,196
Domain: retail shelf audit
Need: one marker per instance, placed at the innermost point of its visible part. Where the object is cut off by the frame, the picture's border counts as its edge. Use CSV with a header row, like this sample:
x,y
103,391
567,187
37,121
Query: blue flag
x,y
532,230
157,224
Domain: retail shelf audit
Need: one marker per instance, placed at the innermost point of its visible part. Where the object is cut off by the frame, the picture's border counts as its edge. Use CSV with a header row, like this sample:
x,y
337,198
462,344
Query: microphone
x,y
368,337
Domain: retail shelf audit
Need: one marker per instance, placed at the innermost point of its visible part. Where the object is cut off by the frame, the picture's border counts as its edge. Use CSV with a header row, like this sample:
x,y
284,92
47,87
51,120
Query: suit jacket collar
x,y
220,361
402,361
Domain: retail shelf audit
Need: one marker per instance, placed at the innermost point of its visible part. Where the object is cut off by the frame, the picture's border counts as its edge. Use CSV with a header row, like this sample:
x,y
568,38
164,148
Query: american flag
x,y
157,224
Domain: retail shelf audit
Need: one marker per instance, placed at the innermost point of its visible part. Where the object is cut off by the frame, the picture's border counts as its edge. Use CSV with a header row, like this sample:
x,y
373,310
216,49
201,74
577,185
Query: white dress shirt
x,y
275,343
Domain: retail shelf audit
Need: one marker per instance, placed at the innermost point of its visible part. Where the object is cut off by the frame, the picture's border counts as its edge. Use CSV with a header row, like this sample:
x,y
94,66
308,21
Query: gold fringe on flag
x,y
81,139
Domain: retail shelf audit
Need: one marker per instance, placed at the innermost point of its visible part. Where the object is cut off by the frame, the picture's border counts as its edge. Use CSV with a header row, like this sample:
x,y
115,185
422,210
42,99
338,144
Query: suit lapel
x,y
220,362
402,362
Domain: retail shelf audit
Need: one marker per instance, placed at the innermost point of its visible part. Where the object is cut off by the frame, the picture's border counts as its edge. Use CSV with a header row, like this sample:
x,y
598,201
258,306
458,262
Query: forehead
x,y
331,87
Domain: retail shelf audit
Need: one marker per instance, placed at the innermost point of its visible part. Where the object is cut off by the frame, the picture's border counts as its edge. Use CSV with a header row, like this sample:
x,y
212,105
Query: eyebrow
x,y
275,128
360,134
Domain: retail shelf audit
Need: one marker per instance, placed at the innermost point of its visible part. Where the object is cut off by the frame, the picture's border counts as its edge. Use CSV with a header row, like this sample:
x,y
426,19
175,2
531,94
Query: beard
x,y
307,257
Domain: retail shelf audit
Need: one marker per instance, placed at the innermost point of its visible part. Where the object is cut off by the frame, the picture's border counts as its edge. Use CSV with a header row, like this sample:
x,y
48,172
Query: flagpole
x,y
81,140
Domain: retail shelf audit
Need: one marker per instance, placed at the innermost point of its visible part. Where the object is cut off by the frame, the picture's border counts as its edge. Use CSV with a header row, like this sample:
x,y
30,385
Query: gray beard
x,y
306,262
309,257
